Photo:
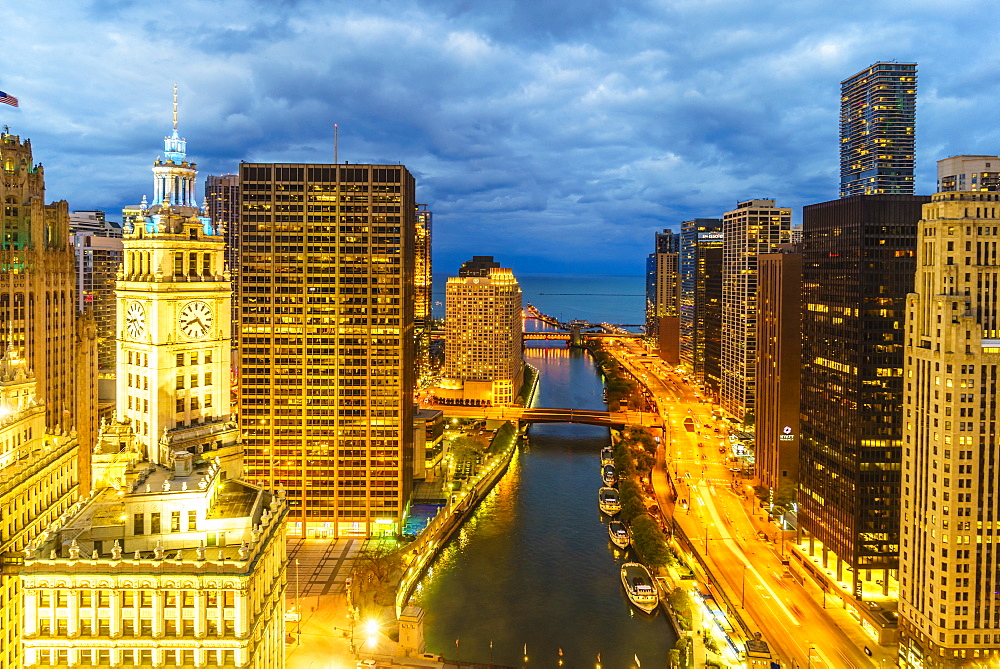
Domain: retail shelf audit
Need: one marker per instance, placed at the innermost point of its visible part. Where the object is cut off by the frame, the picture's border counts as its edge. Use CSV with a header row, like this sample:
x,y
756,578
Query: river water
x,y
534,567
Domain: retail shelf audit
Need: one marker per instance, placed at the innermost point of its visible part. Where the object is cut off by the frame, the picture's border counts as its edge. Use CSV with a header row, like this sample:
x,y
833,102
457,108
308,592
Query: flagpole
x,y
336,144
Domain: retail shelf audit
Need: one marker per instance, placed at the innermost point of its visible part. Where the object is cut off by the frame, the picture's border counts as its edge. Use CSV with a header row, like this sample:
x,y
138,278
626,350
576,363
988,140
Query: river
x,y
534,567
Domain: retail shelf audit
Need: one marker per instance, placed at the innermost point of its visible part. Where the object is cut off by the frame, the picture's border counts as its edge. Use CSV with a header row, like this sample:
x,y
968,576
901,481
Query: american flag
x,y
8,99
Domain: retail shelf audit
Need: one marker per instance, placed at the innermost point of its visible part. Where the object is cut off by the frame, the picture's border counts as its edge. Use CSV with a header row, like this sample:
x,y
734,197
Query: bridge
x,y
567,336
548,415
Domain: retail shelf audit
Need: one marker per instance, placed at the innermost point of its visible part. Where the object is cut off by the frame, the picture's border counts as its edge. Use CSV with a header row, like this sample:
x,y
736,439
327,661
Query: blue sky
x,y
555,135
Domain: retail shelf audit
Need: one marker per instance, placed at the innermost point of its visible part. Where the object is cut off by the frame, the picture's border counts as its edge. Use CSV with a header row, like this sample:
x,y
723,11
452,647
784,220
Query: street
x,y
718,521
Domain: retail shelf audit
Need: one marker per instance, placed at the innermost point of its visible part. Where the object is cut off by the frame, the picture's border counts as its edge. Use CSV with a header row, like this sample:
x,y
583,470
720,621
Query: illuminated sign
x,y
709,235
786,434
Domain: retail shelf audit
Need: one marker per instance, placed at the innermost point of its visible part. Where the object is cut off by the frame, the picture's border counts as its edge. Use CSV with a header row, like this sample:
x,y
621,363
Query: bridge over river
x,y
549,415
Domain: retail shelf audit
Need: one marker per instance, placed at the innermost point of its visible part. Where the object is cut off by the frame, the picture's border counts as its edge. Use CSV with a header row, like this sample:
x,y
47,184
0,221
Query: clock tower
x,y
174,326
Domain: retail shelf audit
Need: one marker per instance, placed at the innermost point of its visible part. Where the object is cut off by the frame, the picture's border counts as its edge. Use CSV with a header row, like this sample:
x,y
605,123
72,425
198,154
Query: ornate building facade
x,y
174,321
48,378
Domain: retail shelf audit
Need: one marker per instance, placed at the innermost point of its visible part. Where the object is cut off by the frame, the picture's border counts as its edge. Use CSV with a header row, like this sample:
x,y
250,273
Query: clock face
x,y
195,319
135,320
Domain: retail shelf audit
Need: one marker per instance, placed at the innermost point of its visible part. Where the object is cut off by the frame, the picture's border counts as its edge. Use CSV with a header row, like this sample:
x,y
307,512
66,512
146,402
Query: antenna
x,y
175,107
336,144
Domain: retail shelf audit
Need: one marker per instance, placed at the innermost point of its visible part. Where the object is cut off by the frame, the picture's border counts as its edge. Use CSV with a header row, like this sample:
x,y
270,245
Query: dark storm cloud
x,y
554,135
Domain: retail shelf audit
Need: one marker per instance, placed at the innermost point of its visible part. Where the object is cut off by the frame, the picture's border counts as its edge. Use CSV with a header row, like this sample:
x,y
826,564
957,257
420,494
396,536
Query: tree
x,y
376,571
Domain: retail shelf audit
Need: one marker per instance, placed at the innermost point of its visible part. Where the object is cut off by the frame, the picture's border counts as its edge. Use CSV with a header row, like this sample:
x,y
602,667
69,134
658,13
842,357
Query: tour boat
x,y
639,586
607,456
618,531
609,501
608,474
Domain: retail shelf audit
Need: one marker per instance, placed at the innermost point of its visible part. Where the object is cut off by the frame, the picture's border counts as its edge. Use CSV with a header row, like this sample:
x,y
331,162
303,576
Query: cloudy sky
x,y
557,135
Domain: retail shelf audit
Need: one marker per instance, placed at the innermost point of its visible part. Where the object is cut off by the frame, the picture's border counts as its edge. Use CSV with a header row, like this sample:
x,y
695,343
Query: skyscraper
x,y
423,300
858,265
98,248
326,355
483,359
48,375
222,200
949,563
779,332
755,226
173,321
663,296
878,111
701,300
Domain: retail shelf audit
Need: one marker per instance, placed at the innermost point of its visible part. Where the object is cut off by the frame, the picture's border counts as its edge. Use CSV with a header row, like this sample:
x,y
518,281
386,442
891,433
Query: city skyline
x,y
658,129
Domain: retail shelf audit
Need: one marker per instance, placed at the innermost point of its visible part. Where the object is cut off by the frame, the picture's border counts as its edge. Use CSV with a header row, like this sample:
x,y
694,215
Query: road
x,y
718,522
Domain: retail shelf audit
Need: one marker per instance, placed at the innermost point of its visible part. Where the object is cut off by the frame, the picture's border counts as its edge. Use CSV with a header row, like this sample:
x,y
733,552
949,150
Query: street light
x,y
298,607
743,593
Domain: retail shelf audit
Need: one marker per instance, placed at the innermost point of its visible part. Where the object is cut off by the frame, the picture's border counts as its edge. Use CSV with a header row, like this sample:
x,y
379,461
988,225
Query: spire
x,y
174,146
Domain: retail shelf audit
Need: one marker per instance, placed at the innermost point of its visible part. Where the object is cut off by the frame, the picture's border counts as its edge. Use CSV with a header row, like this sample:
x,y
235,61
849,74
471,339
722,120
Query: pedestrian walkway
x,y
320,566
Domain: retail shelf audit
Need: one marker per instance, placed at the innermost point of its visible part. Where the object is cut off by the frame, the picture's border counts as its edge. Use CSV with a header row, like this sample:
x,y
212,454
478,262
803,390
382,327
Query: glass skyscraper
x,y
877,123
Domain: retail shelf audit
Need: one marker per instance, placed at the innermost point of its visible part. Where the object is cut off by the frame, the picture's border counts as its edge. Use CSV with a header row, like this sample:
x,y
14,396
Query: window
x,y
208,357
178,264
180,359
180,382
192,521
206,264
208,401
138,522
194,380
193,264
194,358
175,521
154,523
208,378
180,404
194,404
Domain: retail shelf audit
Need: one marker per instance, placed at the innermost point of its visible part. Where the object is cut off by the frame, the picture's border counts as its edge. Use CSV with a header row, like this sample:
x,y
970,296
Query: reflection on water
x,y
534,565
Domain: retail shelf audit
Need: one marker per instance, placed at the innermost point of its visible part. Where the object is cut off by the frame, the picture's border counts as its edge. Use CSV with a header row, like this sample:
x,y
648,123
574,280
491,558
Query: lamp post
x,y
298,607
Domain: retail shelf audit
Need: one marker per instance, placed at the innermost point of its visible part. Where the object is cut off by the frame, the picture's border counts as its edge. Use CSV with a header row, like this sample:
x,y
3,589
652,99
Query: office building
x,y
779,331
663,296
173,321
754,227
222,201
878,112
423,300
98,248
48,375
858,266
483,360
948,607
163,567
701,301
968,173
326,354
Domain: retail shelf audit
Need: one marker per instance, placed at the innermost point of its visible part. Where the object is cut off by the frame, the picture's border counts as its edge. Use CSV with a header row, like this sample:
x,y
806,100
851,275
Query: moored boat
x,y
619,533
609,501
607,456
640,587
609,475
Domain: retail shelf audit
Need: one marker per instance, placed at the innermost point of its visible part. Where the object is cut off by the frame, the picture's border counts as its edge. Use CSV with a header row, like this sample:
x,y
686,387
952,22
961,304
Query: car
x,y
735,470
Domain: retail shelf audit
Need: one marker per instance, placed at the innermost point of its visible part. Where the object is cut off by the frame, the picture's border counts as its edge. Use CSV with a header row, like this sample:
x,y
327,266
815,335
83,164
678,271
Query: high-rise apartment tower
x,y
878,112
484,361
327,352
663,296
755,226
950,562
